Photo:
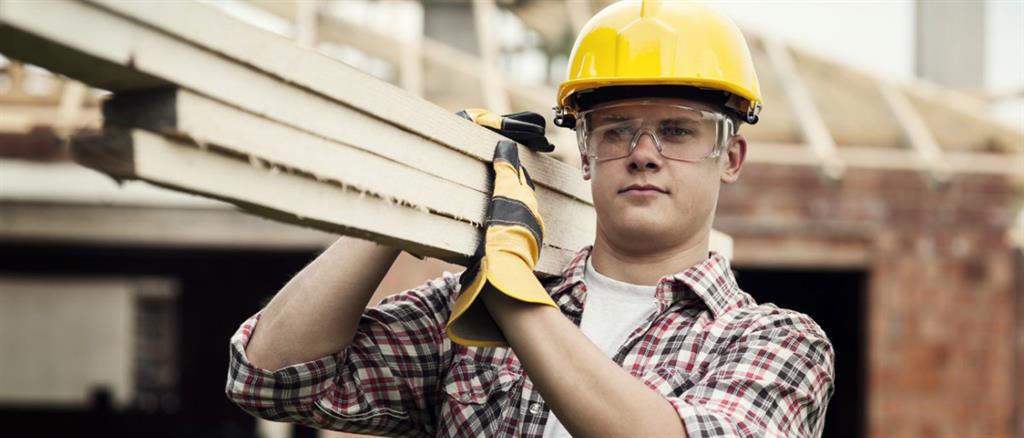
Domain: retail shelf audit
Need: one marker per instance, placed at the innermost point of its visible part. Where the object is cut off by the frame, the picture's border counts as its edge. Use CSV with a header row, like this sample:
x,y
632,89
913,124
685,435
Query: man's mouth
x,y
643,188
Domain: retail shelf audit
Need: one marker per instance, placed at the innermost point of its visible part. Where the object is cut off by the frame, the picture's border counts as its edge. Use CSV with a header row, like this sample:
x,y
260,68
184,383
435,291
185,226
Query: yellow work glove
x,y
525,127
506,258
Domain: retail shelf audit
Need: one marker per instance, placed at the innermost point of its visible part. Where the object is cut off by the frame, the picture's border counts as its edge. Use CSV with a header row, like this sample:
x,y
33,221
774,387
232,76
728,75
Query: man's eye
x,y
617,133
670,132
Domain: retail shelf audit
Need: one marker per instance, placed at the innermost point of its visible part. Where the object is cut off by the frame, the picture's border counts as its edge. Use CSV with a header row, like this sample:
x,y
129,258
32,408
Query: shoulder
x,y
768,323
756,316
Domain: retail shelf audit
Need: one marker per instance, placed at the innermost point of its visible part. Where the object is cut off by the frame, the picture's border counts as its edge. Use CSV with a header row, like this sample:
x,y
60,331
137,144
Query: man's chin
x,y
645,230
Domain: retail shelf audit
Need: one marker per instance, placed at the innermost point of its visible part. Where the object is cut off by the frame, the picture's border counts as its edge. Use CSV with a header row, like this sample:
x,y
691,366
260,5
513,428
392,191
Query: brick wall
x,y
940,319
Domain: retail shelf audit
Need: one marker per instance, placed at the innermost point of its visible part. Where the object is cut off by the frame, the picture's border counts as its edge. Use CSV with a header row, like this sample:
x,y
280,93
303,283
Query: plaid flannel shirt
x,y
729,366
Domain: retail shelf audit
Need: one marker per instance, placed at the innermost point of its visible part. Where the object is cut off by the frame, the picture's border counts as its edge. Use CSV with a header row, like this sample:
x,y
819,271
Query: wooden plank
x,y
143,54
137,154
278,56
272,145
812,126
163,56
149,45
211,124
41,43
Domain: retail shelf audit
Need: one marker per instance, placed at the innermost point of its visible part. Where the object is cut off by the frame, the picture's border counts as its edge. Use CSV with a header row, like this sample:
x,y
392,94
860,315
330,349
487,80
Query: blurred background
x,y
900,230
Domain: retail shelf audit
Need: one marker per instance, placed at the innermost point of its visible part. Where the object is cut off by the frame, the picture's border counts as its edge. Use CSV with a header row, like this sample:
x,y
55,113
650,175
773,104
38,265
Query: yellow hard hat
x,y
655,42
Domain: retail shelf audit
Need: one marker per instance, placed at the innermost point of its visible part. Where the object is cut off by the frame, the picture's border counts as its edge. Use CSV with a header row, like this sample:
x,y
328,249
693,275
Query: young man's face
x,y
646,201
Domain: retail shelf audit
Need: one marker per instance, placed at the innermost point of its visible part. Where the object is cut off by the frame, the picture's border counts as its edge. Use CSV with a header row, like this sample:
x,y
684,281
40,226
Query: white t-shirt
x,y
612,311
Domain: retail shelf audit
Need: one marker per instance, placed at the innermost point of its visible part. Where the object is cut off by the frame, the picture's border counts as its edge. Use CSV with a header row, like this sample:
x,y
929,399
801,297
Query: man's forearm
x,y
316,313
590,393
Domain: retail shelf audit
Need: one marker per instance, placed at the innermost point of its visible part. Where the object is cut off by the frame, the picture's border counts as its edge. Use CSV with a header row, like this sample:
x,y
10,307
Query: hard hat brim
x,y
570,88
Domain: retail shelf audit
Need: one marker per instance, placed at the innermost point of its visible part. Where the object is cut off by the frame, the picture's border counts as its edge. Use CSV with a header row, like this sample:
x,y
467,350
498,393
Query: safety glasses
x,y
679,132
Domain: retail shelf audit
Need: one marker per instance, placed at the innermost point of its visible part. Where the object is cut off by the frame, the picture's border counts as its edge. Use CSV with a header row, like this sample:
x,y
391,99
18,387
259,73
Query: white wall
x,y
61,338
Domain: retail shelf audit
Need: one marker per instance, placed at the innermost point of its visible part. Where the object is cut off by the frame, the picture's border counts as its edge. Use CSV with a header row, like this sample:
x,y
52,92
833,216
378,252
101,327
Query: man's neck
x,y
646,268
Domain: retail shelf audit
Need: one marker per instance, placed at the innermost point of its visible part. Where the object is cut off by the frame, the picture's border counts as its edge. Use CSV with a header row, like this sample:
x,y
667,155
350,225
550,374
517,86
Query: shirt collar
x,y
573,272
711,280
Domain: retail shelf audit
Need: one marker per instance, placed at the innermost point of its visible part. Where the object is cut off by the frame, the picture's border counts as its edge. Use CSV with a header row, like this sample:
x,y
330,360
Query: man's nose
x,y
645,155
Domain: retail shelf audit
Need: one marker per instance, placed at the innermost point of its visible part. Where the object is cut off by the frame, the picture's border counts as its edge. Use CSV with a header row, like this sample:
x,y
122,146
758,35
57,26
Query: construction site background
x,y
883,197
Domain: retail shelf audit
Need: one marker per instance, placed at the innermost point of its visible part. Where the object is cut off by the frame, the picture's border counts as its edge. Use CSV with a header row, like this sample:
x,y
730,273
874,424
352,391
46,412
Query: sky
x,y
873,36
878,37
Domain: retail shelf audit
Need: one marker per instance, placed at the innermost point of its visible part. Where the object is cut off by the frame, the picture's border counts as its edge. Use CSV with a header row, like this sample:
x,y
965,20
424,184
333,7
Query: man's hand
x,y
525,127
513,235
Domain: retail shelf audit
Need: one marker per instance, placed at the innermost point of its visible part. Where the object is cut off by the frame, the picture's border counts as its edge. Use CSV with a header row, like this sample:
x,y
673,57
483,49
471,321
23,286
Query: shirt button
x,y
536,408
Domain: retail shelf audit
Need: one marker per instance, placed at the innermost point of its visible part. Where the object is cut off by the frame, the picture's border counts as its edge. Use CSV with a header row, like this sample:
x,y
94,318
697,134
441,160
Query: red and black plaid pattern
x,y
729,366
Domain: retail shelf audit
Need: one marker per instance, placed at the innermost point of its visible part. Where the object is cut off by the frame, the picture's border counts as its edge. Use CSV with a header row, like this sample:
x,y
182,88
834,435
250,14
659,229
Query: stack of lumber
x,y
209,105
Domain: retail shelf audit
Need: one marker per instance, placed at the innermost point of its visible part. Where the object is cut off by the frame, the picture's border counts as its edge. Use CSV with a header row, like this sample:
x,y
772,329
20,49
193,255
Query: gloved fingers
x,y
523,127
529,117
482,117
533,142
527,127
537,144
529,134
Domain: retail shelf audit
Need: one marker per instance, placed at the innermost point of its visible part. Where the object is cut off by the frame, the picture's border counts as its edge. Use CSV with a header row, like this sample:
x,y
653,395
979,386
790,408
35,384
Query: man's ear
x,y
585,161
734,156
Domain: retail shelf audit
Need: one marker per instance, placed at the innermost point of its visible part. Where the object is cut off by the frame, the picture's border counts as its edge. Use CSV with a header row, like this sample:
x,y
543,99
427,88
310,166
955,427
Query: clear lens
x,y
679,132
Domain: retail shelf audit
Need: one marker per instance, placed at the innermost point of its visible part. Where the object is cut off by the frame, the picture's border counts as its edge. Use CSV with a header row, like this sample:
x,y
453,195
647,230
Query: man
x,y
646,333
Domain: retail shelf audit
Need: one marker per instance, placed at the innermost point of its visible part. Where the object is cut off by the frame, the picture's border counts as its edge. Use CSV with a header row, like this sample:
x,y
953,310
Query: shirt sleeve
x,y
774,380
383,383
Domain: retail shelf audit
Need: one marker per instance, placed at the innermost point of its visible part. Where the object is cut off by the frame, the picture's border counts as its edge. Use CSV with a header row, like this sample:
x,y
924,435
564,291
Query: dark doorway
x,y
218,289
836,301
